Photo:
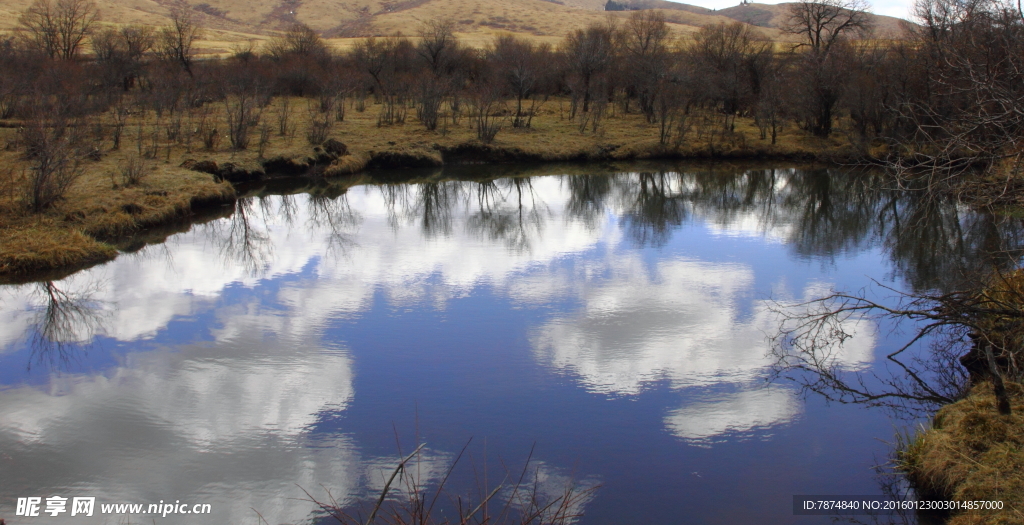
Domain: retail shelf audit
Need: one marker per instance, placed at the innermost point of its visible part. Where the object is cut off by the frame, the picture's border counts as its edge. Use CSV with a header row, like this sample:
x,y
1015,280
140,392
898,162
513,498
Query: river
x,y
612,319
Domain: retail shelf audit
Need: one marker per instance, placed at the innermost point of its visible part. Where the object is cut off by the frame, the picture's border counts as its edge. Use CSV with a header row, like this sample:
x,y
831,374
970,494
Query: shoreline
x,y
973,449
97,219
971,453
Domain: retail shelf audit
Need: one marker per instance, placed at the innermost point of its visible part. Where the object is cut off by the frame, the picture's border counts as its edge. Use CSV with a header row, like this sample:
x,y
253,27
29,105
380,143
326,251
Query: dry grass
x,y
974,453
80,228
553,137
43,245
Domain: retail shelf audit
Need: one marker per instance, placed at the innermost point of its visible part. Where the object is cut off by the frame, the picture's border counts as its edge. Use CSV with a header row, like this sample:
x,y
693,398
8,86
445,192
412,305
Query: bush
x,y
131,171
52,148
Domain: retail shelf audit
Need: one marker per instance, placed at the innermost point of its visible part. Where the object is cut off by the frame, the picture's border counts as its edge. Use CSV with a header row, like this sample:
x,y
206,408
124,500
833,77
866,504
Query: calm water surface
x,y
616,319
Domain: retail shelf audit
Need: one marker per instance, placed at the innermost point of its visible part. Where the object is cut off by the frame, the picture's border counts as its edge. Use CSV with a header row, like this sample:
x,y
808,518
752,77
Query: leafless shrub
x,y
242,112
10,185
210,136
319,125
120,117
153,147
172,129
284,113
487,117
428,110
326,101
264,139
130,171
486,123
139,135
53,150
672,109
339,103
592,117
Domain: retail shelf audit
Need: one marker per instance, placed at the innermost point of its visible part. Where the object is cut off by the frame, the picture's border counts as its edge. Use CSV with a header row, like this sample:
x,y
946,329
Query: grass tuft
x,y
43,247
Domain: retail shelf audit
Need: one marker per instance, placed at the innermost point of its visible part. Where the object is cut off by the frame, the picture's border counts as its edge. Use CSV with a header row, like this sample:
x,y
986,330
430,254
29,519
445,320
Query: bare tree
x,y
138,40
969,111
770,105
977,328
644,41
298,40
386,62
437,52
823,26
588,55
58,30
120,51
177,39
822,23
520,65
106,44
245,94
725,54
437,45
68,318
486,96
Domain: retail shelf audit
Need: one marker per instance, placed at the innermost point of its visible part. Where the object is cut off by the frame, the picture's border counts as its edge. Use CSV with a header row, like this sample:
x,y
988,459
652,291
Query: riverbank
x,y
973,453
187,172
974,450
95,221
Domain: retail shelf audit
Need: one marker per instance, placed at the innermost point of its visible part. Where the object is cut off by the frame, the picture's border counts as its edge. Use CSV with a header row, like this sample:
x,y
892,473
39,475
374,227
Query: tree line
x,y
947,95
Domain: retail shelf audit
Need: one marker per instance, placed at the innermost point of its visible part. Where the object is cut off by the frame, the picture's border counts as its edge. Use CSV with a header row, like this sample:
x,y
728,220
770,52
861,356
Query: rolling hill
x,y
230,22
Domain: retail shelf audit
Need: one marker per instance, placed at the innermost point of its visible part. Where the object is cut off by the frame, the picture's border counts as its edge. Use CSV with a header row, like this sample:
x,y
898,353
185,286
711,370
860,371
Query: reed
x,y
515,500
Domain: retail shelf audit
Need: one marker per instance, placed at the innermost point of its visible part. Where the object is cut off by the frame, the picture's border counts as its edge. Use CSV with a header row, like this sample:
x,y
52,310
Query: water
x,y
615,320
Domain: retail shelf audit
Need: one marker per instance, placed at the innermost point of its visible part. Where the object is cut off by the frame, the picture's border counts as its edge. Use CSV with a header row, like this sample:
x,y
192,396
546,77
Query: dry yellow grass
x,y
85,226
972,453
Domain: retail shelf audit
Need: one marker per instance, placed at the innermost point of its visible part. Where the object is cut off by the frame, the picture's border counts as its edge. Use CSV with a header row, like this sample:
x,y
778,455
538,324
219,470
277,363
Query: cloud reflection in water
x,y
230,419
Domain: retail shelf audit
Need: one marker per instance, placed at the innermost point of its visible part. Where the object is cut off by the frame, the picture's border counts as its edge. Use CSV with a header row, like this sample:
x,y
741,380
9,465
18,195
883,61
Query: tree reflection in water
x,y
653,204
241,242
588,195
66,321
331,214
508,210
434,204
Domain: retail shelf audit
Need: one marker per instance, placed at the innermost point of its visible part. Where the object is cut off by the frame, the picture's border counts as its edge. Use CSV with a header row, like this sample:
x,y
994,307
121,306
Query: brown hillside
x,y
231,22
774,16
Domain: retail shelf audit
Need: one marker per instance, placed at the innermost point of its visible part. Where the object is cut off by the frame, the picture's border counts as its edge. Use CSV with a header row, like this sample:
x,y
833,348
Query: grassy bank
x,y
974,450
95,220
184,156
971,452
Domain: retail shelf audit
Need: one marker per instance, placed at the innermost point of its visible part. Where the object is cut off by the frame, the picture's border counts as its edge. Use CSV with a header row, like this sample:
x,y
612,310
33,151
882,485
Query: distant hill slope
x,y
774,15
771,16
228,22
